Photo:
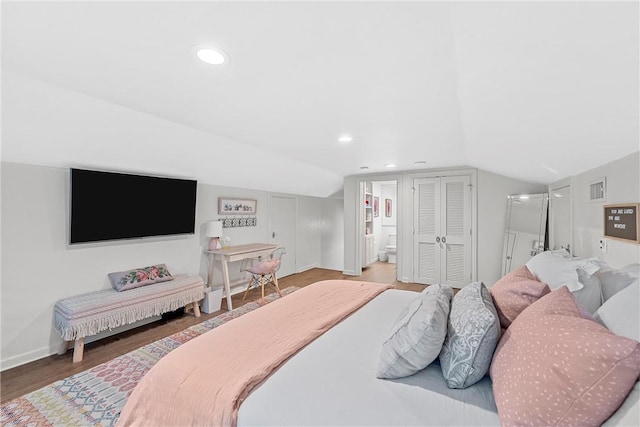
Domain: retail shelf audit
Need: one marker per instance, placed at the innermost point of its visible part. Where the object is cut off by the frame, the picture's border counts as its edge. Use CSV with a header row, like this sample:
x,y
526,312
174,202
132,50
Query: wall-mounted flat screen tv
x,y
113,206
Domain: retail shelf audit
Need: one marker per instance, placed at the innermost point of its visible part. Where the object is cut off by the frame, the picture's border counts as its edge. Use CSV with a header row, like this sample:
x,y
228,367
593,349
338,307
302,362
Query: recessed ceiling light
x,y
420,162
389,165
345,139
211,56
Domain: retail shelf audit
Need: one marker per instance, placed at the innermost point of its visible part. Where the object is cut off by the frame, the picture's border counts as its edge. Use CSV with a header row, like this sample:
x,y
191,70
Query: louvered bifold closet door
x,y
455,261
426,227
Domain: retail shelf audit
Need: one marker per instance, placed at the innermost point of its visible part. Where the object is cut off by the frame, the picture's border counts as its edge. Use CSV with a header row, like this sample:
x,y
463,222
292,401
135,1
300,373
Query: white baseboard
x,y
30,356
308,267
350,273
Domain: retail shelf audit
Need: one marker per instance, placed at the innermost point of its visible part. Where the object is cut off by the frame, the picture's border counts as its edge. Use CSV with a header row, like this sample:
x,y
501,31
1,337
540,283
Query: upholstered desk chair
x,y
264,271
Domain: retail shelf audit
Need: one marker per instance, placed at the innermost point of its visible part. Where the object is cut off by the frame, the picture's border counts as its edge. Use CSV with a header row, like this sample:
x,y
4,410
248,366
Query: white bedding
x,y
333,382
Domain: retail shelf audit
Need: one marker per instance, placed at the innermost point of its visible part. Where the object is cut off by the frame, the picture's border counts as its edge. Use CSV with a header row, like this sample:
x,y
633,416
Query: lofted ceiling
x,y
532,90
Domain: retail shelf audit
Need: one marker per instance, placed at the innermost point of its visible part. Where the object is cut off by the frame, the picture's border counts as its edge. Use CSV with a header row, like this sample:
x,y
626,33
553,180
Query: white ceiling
x,y
532,90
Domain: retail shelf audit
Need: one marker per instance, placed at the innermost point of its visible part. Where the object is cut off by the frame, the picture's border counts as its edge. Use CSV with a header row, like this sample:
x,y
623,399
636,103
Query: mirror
x,y
560,218
526,229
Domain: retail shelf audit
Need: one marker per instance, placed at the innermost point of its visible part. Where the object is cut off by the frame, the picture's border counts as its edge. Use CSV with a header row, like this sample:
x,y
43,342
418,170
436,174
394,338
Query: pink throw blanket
x,y
204,381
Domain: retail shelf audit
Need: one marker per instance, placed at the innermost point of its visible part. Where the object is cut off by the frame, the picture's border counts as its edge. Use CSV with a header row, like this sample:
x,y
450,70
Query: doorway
x,y
283,230
380,213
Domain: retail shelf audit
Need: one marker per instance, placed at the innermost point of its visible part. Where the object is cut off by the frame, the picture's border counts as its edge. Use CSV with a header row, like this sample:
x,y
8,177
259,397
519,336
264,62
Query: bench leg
x,y
196,309
63,347
78,350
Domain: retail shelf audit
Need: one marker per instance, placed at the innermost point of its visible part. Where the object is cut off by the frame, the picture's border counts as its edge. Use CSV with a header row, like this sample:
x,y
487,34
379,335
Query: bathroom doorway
x,y
381,212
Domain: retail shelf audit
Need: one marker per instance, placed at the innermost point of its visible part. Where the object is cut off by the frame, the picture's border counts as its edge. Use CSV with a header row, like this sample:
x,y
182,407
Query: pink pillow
x,y
515,292
554,367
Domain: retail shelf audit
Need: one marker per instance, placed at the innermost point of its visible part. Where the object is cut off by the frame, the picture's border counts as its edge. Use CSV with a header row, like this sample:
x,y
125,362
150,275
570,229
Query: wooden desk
x,y
237,253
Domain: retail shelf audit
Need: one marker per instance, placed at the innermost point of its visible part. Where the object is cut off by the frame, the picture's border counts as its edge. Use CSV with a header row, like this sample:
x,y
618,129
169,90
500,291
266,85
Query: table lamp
x,y
213,229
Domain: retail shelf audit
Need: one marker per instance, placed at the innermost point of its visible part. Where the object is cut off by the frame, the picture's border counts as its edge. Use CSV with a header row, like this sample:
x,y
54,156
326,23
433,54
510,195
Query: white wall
x,y
333,233
623,186
309,236
378,239
383,226
388,191
351,231
38,267
493,190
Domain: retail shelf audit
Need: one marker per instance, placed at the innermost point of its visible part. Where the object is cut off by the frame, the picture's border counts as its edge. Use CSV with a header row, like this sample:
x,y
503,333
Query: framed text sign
x,y
621,222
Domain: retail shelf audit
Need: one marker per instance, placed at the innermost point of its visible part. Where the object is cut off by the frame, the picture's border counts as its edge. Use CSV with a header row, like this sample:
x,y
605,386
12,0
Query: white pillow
x,y
613,281
417,335
621,314
557,270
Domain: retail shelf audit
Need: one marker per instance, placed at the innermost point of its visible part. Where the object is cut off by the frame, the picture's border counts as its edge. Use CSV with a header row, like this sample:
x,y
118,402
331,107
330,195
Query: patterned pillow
x,y
416,336
515,292
125,280
472,336
555,367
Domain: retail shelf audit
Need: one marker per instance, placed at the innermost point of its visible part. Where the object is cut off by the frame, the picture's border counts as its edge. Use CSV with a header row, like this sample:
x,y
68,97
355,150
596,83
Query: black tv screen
x,y
112,206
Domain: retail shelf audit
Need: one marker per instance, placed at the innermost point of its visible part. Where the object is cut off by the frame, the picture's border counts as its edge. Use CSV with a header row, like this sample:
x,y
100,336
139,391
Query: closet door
x,y
455,231
442,230
426,228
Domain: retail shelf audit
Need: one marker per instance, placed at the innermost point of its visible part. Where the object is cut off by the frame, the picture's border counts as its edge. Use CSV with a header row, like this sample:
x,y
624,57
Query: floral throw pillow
x,y
472,336
130,279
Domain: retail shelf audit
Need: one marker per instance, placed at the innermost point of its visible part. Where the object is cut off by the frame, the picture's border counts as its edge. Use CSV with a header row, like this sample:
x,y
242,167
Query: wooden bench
x,y
87,314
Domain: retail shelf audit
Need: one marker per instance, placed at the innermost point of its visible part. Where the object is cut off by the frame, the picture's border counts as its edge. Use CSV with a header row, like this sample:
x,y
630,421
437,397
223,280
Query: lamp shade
x,y
213,229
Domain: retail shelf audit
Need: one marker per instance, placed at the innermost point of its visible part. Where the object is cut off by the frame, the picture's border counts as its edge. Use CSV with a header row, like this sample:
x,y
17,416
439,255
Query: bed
x,y
332,382
331,379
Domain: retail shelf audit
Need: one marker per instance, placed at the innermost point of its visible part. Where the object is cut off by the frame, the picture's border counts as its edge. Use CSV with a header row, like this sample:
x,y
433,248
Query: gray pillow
x,y
472,337
614,280
590,296
417,335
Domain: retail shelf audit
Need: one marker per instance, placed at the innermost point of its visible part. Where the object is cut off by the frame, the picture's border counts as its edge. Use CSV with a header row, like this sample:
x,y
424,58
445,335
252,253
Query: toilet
x,y
391,249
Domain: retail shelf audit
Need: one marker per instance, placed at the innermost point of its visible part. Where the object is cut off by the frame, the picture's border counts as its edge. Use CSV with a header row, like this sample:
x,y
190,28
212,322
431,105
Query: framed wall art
x,y
232,206
388,208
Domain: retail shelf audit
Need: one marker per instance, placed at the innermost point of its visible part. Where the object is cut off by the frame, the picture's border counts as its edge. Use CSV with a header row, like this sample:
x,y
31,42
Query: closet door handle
x,y
437,239
444,239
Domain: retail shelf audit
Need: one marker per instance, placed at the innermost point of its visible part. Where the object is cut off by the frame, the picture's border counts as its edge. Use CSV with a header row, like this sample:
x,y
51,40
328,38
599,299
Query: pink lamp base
x,y
214,244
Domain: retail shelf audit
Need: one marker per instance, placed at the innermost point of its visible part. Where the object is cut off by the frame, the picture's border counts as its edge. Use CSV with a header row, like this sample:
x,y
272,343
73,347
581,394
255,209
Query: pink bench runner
x,y
204,381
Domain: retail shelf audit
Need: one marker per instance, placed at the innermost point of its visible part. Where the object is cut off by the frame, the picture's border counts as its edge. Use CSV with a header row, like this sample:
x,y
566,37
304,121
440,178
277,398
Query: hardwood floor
x,y
32,376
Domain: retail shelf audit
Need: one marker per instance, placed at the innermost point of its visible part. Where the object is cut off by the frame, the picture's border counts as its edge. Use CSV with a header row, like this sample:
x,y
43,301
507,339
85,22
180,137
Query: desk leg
x,y
212,261
227,285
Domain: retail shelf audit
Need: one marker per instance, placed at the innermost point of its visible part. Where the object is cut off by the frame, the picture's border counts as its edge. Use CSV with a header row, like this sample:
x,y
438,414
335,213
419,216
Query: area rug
x,y
96,396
